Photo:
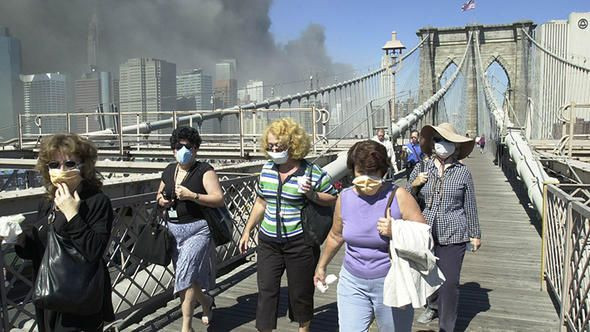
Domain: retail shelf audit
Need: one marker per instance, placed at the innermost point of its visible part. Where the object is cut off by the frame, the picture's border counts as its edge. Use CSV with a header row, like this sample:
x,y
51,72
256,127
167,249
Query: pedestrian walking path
x,y
500,288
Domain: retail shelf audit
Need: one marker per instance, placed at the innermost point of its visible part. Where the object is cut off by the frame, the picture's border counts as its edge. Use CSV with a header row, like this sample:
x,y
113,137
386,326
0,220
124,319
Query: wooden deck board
x,y
499,284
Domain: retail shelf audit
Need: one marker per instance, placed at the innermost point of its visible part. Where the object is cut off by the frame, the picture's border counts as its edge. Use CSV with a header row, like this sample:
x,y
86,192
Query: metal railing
x,y
134,282
132,132
566,252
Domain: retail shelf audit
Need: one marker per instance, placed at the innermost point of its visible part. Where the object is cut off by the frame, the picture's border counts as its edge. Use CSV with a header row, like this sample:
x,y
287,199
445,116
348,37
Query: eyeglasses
x,y
278,146
179,146
56,164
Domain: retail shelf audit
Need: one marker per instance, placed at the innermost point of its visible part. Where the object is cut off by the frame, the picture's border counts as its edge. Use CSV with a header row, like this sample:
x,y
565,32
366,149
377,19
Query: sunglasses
x,y
437,139
272,146
56,164
179,146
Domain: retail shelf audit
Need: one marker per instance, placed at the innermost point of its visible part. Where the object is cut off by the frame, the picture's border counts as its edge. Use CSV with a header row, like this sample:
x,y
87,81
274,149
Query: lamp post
x,y
393,49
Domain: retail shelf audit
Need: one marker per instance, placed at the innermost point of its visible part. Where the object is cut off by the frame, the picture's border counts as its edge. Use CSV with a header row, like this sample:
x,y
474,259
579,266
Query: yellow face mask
x,y
70,177
367,185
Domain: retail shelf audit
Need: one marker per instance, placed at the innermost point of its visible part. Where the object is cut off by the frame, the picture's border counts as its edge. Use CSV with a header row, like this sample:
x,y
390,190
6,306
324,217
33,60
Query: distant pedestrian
x,y
413,152
451,211
380,138
482,143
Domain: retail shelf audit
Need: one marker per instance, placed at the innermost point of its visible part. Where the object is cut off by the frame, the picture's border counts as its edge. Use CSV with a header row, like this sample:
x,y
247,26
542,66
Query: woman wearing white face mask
x,y
359,222
281,244
449,194
186,186
79,213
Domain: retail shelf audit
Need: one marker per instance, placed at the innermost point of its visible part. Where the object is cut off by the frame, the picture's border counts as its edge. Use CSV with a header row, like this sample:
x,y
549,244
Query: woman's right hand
x,y
165,203
243,245
420,179
319,276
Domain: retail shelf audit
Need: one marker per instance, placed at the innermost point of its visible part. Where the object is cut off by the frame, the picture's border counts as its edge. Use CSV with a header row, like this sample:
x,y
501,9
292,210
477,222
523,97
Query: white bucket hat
x,y
464,145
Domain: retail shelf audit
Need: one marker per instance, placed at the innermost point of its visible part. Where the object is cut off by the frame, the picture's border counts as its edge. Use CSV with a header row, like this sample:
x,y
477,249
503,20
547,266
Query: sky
x,y
356,30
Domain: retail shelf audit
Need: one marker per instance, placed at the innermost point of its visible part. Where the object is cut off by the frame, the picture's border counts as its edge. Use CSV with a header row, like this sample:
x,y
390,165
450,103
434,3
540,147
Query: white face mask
x,y
279,157
444,149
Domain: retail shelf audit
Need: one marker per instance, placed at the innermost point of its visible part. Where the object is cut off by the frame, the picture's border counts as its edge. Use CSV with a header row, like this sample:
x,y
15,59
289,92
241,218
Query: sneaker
x,y
427,316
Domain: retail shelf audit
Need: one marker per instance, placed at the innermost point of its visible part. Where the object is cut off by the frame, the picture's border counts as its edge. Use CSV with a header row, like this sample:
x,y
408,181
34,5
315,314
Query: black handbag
x,y
316,221
154,241
220,223
66,281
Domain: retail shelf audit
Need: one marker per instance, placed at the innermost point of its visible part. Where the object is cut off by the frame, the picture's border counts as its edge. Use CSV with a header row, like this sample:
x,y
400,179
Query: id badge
x,y
172,214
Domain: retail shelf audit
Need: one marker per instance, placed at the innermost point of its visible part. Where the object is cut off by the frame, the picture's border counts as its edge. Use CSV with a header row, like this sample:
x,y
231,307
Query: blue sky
x,y
356,30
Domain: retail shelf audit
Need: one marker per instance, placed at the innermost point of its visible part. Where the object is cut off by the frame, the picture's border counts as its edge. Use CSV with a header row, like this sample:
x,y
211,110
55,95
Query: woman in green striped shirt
x,y
278,207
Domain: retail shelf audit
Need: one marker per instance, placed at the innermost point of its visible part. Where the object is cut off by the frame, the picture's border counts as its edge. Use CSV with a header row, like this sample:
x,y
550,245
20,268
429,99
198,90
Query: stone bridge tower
x,y
505,44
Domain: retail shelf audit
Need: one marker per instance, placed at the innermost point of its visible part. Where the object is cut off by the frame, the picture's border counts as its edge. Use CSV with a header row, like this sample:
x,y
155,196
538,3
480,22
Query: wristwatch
x,y
196,196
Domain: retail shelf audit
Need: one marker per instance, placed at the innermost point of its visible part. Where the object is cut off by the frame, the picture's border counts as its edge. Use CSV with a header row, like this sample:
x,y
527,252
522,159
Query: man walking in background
x,y
380,138
413,152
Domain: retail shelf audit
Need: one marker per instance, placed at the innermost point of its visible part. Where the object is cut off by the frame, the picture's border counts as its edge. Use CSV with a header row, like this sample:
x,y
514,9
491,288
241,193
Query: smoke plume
x,y
190,33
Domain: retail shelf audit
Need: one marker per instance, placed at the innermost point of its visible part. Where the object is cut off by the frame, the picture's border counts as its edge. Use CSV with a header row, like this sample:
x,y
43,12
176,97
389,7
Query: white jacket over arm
x,y
413,275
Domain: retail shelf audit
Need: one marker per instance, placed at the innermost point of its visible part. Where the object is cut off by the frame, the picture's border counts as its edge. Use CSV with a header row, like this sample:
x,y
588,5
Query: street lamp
x,y
393,49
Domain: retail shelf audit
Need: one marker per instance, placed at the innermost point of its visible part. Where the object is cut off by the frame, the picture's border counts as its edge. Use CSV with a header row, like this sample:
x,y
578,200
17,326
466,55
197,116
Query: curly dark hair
x,y
368,157
69,145
188,133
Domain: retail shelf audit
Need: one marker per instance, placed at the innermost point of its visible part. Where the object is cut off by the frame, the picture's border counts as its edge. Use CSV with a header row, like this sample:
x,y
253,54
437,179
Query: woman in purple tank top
x,y
360,223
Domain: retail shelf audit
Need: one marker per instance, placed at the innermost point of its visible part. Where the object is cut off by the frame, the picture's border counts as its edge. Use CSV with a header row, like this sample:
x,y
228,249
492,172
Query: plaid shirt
x,y
450,209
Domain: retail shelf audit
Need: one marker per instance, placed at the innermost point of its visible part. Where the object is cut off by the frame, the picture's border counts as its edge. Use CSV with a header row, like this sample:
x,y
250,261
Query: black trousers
x,y
300,260
446,299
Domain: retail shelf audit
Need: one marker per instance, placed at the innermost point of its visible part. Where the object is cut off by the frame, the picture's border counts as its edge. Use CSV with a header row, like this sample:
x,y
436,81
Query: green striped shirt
x,y
283,202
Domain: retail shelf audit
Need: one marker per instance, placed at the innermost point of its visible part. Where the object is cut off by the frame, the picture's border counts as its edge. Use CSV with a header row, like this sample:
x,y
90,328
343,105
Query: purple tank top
x,y
366,254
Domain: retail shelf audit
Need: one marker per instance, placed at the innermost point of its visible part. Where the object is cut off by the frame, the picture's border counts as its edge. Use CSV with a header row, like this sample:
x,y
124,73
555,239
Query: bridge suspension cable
x,y
147,127
528,166
337,168
542,48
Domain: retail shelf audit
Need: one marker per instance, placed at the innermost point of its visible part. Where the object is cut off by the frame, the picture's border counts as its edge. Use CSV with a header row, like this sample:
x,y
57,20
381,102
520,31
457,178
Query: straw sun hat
x,y
463,145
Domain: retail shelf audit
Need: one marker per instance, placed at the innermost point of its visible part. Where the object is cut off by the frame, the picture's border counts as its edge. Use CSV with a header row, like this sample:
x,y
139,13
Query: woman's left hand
x,y
67,203
475,243
184,194
384,227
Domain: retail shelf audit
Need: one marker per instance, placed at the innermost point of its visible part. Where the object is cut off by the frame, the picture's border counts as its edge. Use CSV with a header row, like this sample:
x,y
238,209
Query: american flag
x,y
468,5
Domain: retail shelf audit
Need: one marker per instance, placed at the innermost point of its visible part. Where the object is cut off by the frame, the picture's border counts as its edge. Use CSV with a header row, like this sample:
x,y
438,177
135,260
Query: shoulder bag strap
x,y
388,210
387,213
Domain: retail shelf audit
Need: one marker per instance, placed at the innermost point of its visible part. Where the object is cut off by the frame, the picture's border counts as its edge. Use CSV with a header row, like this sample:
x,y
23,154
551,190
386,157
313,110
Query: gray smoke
x,y
190,33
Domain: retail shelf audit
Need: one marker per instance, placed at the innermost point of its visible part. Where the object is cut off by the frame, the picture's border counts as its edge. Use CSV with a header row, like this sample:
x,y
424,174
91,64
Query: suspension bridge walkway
x,y
500,285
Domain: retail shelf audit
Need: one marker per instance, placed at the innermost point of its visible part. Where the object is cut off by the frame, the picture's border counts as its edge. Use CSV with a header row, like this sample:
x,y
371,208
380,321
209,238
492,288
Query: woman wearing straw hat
x,y
451,211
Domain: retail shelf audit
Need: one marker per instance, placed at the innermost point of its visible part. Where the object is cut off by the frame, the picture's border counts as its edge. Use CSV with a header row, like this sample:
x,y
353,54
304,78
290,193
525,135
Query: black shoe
x,y
427,316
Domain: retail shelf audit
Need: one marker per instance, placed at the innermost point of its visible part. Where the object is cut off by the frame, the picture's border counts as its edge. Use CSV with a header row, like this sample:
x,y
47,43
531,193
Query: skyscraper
x,y
44,93
226,92
195,91
11,89
146,85
256,91
94,93
555,86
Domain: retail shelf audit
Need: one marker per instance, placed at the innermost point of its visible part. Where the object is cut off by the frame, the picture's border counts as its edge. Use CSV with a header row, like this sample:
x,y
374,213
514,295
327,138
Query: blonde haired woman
x,y
281,245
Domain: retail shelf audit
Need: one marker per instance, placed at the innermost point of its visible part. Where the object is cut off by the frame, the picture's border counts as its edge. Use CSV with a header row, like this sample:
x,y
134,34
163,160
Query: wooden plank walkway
x,y
499,284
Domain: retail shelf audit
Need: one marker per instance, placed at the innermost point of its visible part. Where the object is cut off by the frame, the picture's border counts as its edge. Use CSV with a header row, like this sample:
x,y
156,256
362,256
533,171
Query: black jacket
x,y
90,232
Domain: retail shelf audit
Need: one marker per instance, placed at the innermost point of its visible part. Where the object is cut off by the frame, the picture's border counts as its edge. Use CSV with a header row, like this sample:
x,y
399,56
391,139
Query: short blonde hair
x,y
290,134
